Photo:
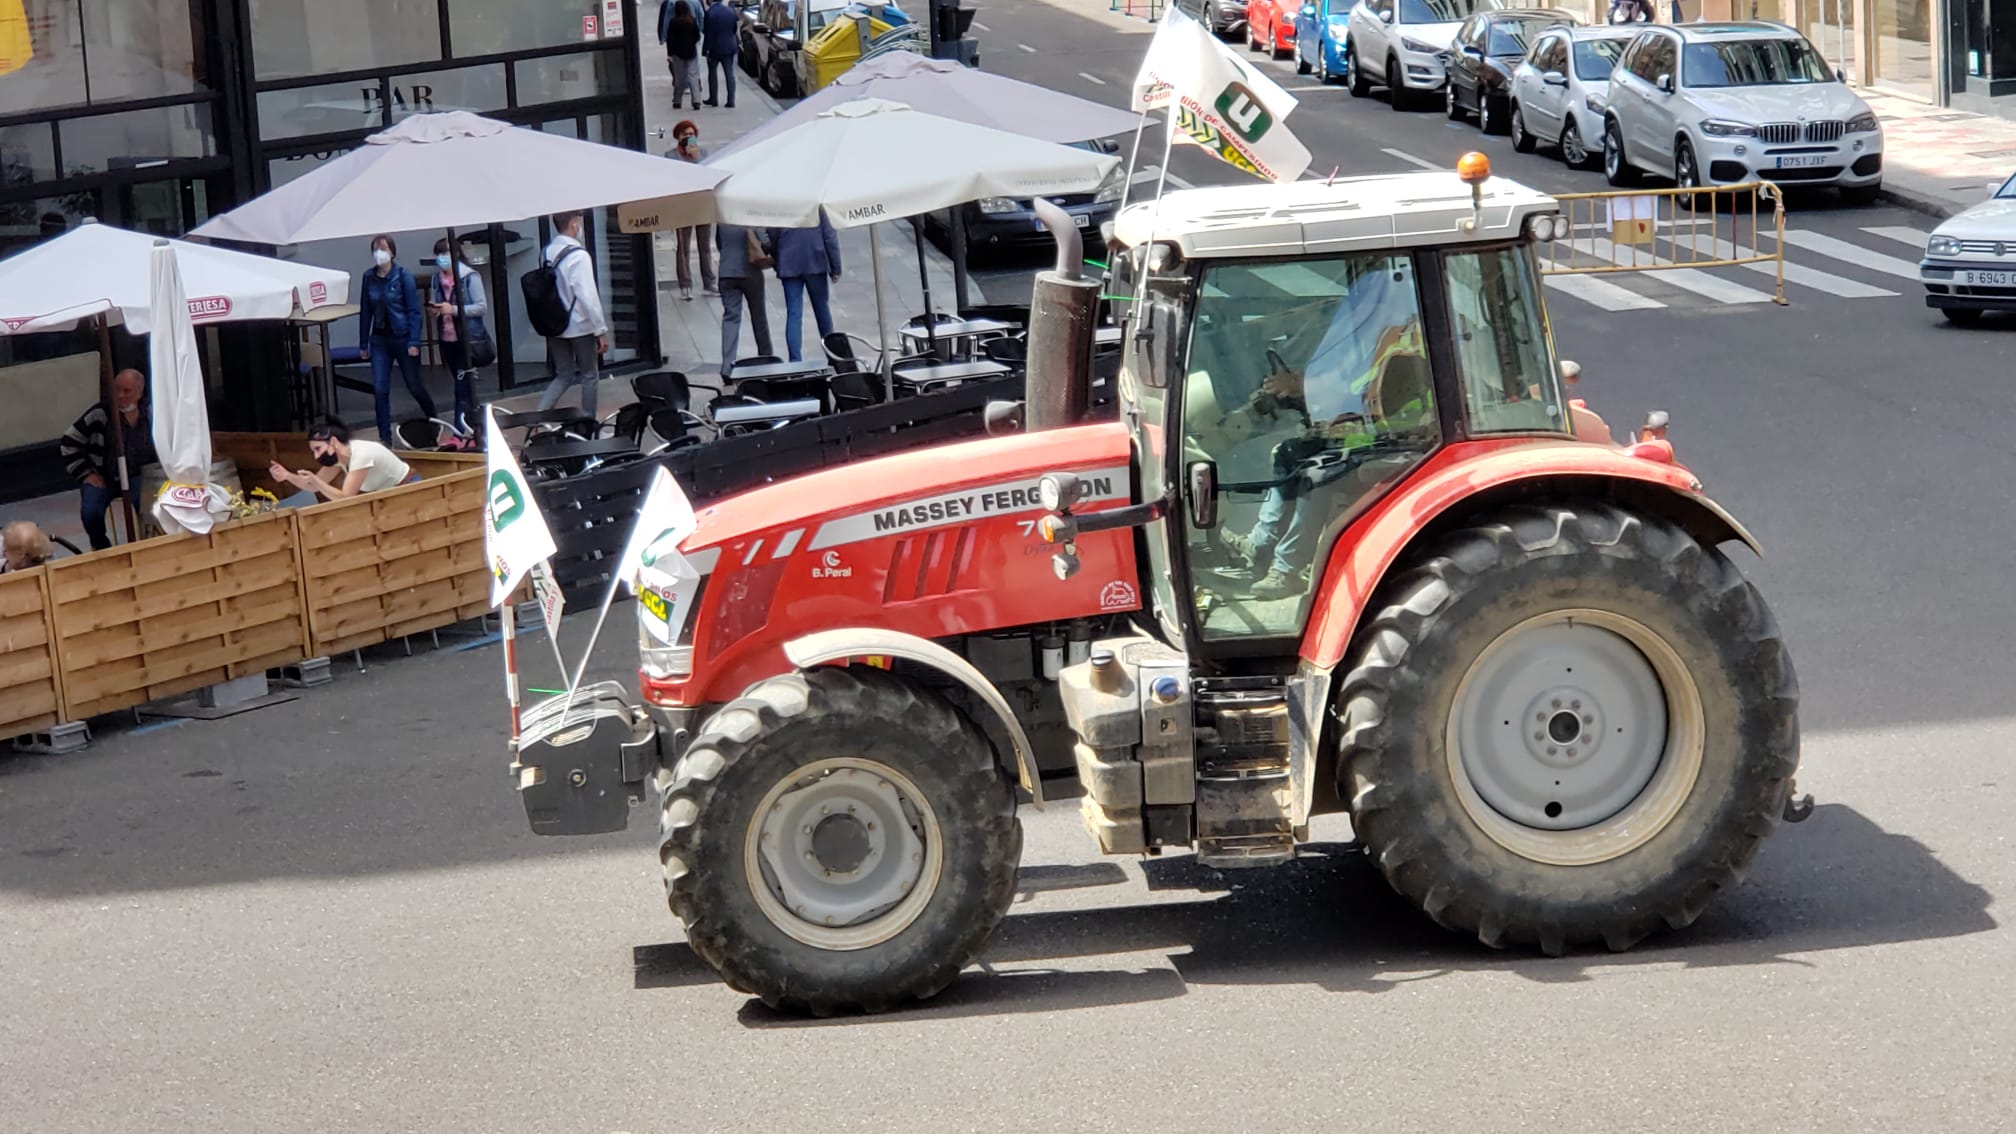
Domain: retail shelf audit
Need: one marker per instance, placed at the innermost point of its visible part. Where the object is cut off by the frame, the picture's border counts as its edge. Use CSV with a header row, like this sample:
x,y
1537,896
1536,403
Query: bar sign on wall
x,y
612,19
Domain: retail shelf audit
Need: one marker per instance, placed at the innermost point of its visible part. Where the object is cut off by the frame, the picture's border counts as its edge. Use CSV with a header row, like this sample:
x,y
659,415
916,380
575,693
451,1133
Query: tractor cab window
x,y
1510,383
1308,389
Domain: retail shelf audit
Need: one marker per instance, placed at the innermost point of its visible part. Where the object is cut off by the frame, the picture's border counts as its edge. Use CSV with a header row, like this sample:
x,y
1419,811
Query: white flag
x,y
515,535
1218,101
665,519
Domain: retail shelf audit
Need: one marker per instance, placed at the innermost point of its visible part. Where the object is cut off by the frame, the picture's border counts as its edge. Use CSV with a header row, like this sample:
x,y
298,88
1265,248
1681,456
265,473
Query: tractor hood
x,y
920,488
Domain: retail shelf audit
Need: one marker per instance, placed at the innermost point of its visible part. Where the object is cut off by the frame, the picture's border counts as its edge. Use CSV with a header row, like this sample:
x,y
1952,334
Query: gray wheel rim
x,y
843,853
1518,124
1322,65
1571,146
1689,177
1575,737
1613,151
1483,114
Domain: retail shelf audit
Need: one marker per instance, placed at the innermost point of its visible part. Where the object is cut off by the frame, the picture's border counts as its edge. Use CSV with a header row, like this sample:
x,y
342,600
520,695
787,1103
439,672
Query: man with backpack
x,y
563,304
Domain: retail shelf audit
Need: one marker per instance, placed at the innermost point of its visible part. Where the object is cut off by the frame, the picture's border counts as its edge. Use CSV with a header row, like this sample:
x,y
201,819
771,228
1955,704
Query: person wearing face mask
x,y
389,328
349,468
92,457
575,354
451,274
694,240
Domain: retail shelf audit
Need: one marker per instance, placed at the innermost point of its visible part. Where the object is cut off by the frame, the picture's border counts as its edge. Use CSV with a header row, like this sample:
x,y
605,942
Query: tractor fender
x,y
868,641
1467,476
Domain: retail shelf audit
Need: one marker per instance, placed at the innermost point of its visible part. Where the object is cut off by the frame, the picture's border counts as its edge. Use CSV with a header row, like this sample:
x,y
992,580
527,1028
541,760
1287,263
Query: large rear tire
x,y
839,840
1569,724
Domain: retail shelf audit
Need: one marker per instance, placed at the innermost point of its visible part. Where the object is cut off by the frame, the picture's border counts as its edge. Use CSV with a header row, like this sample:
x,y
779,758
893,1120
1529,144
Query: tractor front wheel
x,y
839,840
1569,724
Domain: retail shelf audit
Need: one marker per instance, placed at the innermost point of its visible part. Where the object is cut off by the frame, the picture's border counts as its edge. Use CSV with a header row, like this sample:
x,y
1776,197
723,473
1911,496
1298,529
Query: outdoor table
x,y
573,450
956,336
787,379
946,375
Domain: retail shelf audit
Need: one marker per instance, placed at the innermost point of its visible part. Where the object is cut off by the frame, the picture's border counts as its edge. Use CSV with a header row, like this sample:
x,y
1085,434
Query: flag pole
x,y
609,596
509,617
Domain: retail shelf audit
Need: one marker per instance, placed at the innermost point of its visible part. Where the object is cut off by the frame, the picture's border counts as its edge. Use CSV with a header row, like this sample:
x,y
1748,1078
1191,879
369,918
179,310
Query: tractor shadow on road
x,y
1837,881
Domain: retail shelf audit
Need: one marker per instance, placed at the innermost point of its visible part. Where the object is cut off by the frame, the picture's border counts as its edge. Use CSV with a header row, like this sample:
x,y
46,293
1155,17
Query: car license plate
x,y
1988,279
1802,161
1084,220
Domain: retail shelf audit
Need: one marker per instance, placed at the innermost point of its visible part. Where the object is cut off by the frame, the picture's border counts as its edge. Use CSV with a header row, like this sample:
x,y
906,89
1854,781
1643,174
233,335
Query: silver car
x,y
1970,261
1560,89
1715,104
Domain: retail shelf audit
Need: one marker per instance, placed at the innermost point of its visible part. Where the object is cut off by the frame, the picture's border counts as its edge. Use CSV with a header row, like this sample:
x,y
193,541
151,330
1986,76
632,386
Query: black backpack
x,y
541,287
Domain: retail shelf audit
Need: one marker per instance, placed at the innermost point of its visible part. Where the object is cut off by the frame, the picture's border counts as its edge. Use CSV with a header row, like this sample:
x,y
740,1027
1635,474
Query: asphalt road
x,y
329,915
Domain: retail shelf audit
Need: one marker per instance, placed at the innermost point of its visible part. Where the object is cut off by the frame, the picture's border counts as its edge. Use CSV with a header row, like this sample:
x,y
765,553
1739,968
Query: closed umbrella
x,y
493,172
871,160
181,419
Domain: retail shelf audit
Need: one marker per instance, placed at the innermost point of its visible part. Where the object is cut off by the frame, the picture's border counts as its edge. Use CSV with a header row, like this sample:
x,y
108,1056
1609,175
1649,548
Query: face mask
x,y
326,459
441,261
381,257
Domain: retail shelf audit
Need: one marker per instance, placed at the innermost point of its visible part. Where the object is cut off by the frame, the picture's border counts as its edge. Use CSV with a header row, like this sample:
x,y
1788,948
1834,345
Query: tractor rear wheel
x,y
839,840
1569,724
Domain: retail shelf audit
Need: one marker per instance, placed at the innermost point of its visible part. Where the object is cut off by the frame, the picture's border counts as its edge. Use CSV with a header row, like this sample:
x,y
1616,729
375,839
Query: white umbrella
x,y
99,270
491,171
181,419
871,160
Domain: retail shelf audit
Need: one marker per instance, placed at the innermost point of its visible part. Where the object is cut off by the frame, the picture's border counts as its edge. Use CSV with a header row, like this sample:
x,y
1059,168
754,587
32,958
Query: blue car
x,y
1320,34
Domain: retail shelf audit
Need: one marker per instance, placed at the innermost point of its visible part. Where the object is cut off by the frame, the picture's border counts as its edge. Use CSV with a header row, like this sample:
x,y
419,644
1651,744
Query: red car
x,y
1270,26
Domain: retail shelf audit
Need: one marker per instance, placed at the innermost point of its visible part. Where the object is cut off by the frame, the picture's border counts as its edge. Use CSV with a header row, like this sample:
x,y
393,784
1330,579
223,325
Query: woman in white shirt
x,y
368,467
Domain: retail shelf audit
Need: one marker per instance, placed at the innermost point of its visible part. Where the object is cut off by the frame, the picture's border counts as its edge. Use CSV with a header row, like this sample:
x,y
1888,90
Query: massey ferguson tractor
x,y
1342,552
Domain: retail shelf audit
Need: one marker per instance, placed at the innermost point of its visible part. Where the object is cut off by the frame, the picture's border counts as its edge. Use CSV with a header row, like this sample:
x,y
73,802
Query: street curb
x,y
1925,204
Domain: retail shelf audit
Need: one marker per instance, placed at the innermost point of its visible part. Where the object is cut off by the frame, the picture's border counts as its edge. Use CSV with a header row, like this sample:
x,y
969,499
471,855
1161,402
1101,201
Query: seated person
x,y
25,545
367,467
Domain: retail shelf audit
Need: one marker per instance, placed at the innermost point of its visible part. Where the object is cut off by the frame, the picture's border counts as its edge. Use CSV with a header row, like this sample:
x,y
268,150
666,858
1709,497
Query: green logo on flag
x,y
1243,112
507,500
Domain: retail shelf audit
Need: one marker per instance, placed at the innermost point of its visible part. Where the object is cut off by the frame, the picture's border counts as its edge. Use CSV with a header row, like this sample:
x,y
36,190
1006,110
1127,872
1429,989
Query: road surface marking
x,y
976,25
1797,273
1852,253
1403,155
1026,48
1901,233
1601,293
1687,279
1091,78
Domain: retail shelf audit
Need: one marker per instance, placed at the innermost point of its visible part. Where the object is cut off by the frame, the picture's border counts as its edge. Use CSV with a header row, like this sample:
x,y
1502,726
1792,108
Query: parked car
x,y
1225,18
1716,104
1970,260
1008,223
1321,27
1488,47
1560,88
1270,26
1403,45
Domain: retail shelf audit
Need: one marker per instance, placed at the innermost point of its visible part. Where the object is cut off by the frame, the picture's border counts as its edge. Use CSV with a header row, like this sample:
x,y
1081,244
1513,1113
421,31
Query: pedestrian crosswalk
x,y
1817,265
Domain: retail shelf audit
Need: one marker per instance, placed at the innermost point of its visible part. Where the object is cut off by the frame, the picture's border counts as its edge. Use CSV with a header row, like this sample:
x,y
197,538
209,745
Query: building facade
x,y
157,114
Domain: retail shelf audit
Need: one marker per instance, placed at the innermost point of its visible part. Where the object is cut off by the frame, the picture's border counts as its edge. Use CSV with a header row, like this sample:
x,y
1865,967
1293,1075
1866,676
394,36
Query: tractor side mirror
x,y
1203,478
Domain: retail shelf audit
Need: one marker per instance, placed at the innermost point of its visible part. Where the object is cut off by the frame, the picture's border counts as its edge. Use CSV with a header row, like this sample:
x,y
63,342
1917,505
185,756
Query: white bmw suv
x,y
1714,104
1403,45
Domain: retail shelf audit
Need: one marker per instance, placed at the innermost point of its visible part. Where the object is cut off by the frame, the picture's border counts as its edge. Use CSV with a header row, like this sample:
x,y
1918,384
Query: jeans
x,y
456,356
796,288
572,361
701,236
383,351
735,292
91,509
717,66
685,77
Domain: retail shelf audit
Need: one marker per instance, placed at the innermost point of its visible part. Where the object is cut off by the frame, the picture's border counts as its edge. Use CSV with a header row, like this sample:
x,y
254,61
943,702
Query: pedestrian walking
x,y
808,259
89,453
468,348
696,239
389,329
720,45
680,33
575,354
743,258
1631,11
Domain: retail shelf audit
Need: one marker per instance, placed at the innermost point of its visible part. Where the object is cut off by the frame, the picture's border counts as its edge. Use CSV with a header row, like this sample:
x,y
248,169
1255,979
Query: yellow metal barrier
x,y
1652,230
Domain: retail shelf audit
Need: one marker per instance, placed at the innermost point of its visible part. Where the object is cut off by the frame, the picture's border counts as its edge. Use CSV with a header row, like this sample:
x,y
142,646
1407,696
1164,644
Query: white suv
x,y
1713,104
1403,45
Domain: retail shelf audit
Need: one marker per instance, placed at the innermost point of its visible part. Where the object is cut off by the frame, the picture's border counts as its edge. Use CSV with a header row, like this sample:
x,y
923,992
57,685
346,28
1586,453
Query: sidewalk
x,y
690,331
1940,161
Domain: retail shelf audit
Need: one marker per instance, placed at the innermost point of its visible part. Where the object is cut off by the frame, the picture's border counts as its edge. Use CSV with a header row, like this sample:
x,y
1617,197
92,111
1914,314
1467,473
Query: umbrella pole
x,y
881,323
118,423
924,282
959,296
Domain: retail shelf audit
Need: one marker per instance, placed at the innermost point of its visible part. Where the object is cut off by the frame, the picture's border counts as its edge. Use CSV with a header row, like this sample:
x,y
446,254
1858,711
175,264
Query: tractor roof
x,y
1307,218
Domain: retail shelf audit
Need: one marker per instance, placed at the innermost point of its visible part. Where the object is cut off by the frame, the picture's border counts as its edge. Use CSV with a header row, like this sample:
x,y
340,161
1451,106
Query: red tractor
x,y
1341,553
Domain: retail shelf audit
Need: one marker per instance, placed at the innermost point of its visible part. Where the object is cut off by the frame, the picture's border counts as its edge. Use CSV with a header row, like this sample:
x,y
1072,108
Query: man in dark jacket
x,y
719,43
807,259
741,286
93,459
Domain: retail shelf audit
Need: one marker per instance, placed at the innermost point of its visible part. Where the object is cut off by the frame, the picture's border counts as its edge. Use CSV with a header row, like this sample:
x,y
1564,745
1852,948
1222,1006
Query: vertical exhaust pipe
x,y
1063,307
